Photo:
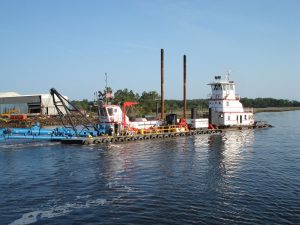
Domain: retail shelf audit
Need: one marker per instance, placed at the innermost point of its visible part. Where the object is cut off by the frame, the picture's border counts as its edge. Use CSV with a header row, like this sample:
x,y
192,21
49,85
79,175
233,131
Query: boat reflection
x,y
216,159
226,155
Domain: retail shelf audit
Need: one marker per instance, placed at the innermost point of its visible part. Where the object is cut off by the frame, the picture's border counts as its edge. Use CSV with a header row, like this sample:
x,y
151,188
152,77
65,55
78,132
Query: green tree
x,y
83,104
125,95
148,102
269,102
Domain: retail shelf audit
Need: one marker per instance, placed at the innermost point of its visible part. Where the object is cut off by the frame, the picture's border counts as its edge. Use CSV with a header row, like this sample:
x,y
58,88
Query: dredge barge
x,y
225,112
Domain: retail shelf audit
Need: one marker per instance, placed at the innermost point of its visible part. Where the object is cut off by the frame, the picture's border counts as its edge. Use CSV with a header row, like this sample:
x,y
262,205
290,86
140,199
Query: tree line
x,y
149,103
269,102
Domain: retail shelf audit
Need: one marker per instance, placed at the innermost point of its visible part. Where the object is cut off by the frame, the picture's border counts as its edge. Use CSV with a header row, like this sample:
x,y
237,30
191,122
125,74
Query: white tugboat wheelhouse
x,y
225,108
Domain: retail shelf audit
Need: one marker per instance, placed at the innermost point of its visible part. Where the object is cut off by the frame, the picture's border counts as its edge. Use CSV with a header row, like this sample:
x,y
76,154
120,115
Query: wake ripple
x,y
56,211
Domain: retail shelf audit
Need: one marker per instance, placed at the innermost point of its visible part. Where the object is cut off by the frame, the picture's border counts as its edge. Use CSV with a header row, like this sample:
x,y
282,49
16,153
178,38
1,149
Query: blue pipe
x,y
37,133
33,137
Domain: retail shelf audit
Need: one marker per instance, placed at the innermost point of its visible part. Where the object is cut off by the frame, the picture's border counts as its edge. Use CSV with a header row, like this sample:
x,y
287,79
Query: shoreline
x,y
57,122
275,109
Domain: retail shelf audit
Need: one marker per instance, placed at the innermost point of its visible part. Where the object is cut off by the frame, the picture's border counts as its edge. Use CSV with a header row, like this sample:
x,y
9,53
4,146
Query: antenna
x,y
228,74
106,88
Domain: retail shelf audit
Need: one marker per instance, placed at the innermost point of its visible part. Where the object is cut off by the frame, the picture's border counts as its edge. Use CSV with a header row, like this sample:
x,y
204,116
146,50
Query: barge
x,y
226,112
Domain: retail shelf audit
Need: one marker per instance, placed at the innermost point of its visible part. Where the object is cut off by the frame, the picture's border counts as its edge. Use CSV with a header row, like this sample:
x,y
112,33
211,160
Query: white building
x,y
225,108
27,104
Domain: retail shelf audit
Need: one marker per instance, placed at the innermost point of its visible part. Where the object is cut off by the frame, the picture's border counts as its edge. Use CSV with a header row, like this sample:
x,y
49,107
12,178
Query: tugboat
x,y
225,108
113,120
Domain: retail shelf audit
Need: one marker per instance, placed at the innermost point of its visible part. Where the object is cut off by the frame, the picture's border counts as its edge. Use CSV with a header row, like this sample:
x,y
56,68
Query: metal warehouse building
x,y
27,104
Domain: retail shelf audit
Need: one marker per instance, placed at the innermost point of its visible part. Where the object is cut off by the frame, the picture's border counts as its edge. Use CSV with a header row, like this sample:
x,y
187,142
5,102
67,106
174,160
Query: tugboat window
x,y
102,112
110,111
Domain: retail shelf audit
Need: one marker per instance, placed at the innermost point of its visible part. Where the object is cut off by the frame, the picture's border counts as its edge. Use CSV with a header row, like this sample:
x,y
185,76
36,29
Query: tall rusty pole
x,y
162,83
184,86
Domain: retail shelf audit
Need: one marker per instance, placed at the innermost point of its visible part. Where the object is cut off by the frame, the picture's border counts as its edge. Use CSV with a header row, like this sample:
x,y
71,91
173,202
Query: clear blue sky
x,y
70,45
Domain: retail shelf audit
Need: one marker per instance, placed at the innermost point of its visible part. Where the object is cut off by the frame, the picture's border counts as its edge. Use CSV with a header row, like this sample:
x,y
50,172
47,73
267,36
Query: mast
x,y
162,83
184,86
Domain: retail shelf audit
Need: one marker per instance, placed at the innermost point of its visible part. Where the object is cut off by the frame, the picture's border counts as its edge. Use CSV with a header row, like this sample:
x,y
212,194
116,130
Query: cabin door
x,y
209,116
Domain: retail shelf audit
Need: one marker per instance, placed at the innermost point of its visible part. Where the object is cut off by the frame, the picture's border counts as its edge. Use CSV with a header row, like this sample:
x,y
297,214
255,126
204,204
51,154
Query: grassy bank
x,y
275,109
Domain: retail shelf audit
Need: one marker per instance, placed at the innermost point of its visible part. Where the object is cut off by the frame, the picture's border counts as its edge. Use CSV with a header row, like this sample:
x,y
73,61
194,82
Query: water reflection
x,y
225,156
217,157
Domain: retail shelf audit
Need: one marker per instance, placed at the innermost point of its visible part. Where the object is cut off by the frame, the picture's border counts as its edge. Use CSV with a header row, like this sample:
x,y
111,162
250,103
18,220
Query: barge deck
x,y
143,137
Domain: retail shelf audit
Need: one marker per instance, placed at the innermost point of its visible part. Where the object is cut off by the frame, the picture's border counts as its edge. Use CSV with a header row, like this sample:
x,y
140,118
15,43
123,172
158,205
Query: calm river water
x,y
240,177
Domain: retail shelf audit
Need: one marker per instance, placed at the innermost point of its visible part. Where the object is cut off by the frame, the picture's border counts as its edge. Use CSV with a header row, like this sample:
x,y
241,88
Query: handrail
x,y
157,130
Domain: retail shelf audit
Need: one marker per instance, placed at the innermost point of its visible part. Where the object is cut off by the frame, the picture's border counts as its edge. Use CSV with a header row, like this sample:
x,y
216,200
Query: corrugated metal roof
x,y
8,94
20,99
